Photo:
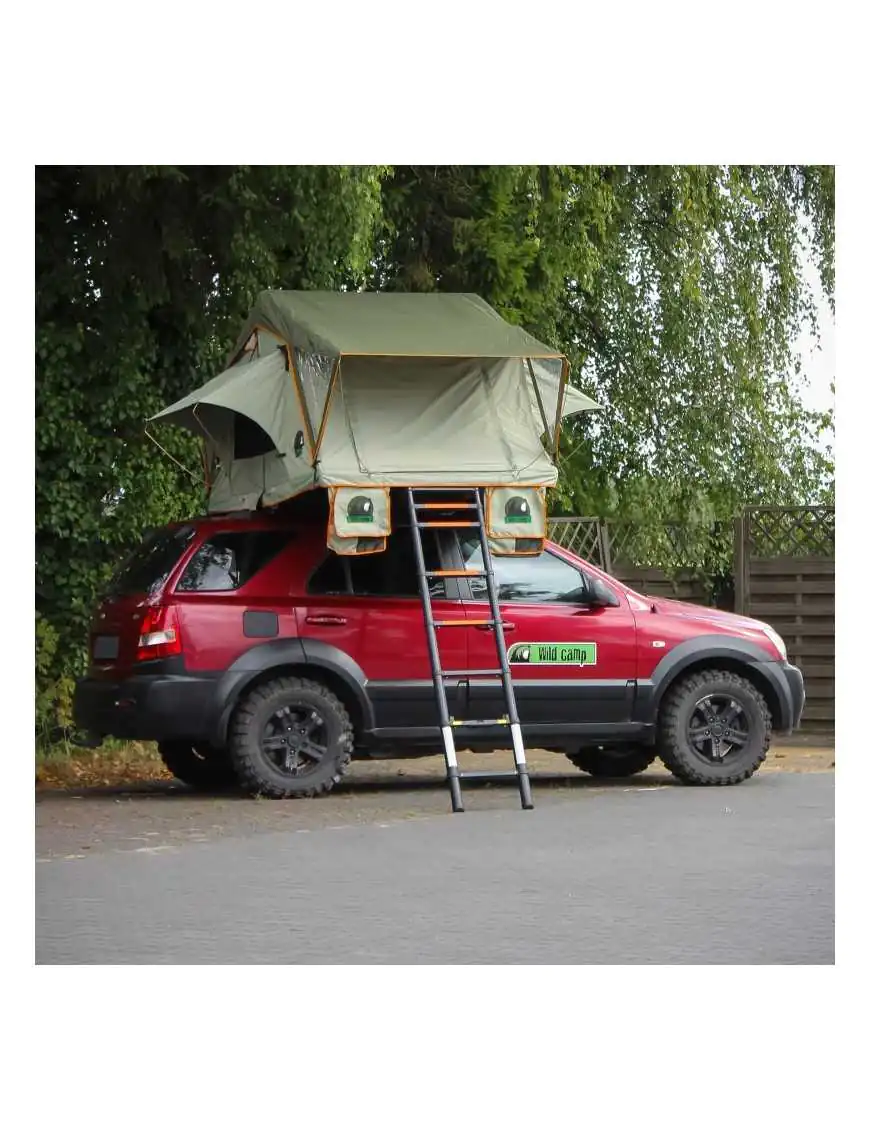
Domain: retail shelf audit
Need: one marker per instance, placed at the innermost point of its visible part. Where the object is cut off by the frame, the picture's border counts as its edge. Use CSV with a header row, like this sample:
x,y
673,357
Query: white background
x,y
717,1047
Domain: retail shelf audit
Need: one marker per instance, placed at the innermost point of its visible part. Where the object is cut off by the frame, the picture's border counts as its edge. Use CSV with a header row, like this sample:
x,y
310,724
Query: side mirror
x,y
600,596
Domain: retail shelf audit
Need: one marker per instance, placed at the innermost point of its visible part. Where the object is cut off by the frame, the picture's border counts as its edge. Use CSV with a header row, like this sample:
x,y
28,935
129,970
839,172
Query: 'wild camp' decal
x,y
581,655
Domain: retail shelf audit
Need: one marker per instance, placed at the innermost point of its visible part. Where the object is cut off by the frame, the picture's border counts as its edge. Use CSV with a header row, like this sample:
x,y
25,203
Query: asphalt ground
x,y
380,871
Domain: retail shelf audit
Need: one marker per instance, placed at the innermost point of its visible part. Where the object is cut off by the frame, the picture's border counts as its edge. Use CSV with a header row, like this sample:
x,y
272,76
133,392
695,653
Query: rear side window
x,y
148,567
392,573
230,560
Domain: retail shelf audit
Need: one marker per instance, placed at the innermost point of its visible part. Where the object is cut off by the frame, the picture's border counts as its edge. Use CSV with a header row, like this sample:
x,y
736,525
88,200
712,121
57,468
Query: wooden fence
x,y
612,545
783,573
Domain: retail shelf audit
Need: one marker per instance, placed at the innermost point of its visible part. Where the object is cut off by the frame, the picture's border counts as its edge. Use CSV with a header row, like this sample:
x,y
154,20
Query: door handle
x,y
324,618
506,625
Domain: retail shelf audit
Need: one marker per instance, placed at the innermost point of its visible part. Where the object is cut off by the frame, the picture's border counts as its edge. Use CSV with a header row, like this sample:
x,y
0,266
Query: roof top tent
x,y
380,390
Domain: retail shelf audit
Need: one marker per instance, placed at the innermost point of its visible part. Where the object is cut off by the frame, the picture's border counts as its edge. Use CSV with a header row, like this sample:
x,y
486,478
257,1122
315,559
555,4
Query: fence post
x,y
740,564
604,532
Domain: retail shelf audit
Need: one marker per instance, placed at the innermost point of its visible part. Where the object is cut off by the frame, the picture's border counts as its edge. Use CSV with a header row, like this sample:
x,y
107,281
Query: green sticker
x,y
582,655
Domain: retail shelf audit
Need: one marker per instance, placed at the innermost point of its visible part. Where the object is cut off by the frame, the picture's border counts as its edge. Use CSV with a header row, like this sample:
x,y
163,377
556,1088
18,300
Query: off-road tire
x,y
613,762
678,753
199,765
255,773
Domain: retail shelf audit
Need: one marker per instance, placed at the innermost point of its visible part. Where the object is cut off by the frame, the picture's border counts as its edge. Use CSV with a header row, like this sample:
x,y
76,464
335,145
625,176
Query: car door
x,y
571,661
381,608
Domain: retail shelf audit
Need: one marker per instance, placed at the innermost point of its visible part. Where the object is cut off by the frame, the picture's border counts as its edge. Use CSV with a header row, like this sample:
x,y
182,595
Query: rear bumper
x,y
146,707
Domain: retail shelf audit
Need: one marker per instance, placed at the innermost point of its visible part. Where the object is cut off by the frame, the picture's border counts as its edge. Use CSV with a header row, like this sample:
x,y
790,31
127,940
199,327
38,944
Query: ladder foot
x,y
525,788
455,789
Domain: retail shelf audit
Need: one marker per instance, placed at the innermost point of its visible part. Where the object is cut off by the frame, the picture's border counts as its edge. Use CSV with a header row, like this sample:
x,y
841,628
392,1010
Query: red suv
x,y
254,655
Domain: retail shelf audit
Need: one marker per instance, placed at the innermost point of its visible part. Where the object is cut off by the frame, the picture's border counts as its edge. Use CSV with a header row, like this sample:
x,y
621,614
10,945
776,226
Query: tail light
x,y
159,634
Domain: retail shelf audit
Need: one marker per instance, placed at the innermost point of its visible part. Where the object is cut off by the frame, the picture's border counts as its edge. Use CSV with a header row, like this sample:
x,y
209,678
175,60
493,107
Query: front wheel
x,y
614,761
714,729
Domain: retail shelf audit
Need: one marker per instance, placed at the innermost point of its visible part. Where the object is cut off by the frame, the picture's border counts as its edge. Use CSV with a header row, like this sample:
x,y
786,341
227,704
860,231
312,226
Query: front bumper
x,y
787,682
151,708
795,680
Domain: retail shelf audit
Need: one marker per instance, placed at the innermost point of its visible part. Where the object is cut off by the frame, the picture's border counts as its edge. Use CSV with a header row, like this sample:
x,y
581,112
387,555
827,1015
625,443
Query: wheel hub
x,y
717,727
294,739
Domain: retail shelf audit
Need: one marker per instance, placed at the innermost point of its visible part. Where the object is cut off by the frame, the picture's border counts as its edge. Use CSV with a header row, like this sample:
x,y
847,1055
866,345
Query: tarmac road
x,y
640,872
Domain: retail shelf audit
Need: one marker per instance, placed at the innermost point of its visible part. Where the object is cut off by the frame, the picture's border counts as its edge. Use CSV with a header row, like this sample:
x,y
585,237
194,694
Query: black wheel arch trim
x,y
298,652
715,648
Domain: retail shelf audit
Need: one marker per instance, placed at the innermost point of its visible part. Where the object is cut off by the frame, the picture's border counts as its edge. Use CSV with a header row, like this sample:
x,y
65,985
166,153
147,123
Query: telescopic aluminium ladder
x,y
467,500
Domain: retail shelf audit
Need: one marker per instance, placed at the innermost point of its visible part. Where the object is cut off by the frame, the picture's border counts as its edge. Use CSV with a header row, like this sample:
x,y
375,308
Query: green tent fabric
x,y
575,402
378,389
547,377
343,324
260,391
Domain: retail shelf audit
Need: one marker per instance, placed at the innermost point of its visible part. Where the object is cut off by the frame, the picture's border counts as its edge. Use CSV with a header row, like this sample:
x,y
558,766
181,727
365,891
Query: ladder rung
x,y
480,722
470,775
472,671
445,506
459,623
448,525
455,573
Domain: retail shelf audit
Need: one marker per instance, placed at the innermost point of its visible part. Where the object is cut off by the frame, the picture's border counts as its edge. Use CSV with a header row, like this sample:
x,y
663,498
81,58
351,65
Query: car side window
x,y
229,560
332,576
539,579
392,573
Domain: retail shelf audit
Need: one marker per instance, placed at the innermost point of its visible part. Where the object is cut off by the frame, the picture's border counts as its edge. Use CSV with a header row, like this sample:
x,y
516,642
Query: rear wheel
x,y
290,738
613,761
714,729
199,765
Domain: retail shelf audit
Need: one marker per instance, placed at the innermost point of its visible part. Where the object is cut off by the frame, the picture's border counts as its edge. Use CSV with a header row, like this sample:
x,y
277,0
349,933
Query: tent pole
x,y
205,468
300,393
186,470
557,427
540,400
333,377
255,329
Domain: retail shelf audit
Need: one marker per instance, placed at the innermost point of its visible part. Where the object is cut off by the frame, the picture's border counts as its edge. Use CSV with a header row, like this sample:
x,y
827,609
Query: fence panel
x,y
616,547
785,575
684,586
783,572
583,537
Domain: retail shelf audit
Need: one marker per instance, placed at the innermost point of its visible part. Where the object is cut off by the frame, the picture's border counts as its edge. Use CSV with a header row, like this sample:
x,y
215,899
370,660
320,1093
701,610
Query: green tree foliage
x,y
677,293
143,277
